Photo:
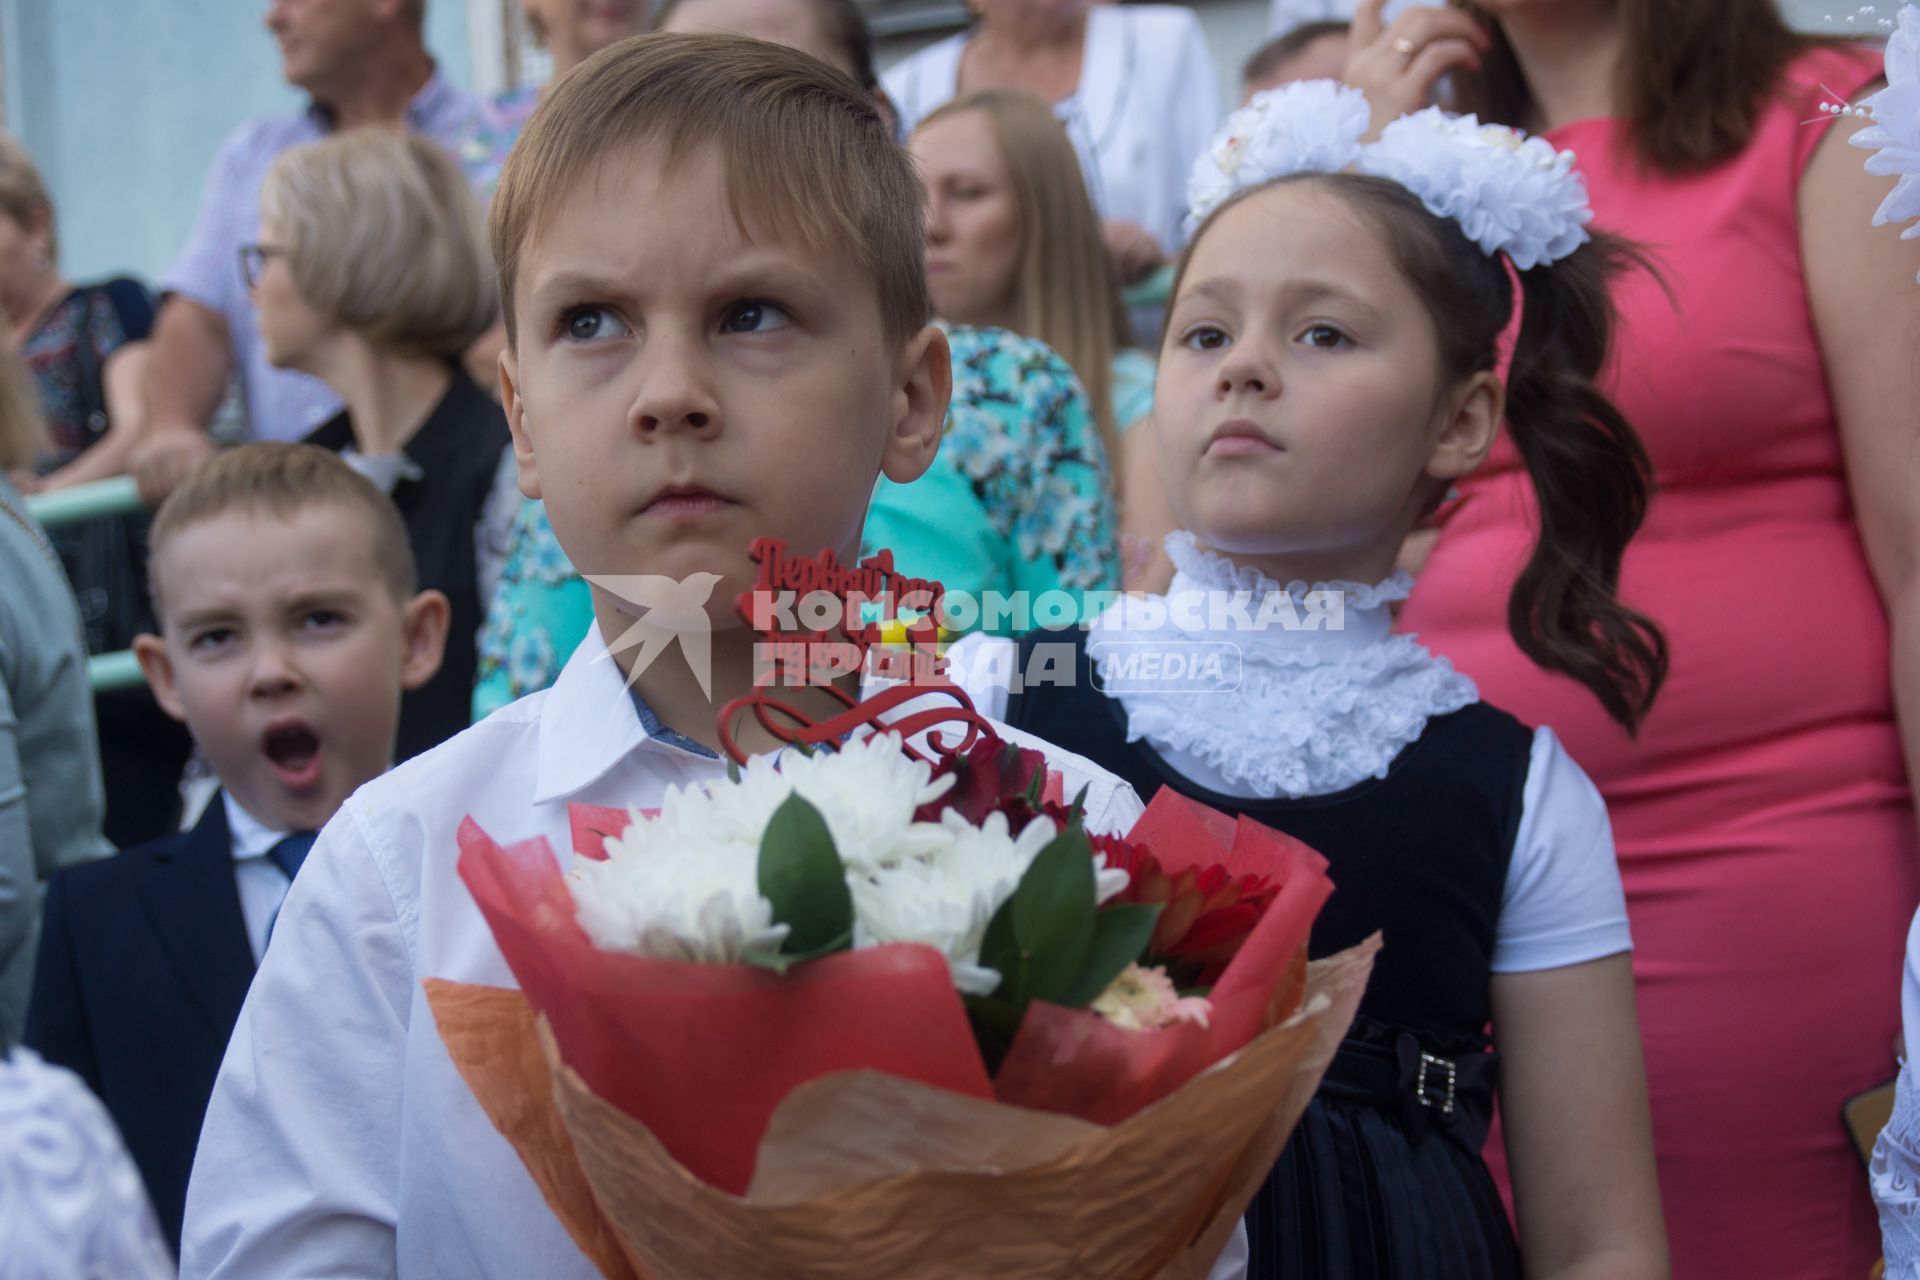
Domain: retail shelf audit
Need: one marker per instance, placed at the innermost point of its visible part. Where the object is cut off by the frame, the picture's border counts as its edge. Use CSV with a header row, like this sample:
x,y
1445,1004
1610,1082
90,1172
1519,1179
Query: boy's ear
x,y
923,382
157,666
516,410
425,620
1472,425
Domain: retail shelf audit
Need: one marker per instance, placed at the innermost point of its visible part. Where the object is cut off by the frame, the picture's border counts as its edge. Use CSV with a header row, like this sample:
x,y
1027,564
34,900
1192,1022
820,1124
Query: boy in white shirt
x,y
710,265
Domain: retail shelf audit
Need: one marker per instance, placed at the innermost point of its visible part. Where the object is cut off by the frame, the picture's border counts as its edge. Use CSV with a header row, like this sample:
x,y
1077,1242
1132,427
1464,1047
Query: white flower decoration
x,y
1309,126
674,888
684,884
1510,193
1895,130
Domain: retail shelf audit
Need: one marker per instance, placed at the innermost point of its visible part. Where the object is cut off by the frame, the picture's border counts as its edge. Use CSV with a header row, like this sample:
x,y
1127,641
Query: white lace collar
x,y
1266,691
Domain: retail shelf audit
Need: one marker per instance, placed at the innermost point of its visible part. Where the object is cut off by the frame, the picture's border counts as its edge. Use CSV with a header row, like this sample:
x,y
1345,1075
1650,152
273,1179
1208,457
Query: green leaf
x,y
802,876
998,951
1120,935
781,961
1053,911
1076,816
733,770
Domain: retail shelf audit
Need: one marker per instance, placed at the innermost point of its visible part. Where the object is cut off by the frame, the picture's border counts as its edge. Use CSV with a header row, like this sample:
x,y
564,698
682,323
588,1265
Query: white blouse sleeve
x,y
924,80
1193,115
1563,903
983,666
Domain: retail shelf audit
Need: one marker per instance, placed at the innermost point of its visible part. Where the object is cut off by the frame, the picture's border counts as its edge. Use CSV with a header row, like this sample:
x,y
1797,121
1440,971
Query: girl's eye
x,y
1324,336
1206,337
586,324
754,316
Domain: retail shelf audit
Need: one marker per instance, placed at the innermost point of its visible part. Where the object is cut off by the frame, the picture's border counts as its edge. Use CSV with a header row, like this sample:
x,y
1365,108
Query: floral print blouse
x,y
1019,500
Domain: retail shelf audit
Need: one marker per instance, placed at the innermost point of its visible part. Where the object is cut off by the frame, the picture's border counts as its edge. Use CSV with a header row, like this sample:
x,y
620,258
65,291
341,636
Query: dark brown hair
x,y
1263,61
805,152
1693,78
1589,470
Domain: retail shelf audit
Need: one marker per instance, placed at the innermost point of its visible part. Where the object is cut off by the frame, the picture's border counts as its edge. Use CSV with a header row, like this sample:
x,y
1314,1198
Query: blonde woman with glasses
x,y
371,273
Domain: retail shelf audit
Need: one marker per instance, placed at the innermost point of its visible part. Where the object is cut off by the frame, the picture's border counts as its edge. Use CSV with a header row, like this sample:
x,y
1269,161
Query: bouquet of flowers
x,y
864,1014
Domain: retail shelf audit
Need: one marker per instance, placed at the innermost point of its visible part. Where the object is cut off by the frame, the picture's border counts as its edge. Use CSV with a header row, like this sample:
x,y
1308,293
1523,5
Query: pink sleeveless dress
x,y
1765,829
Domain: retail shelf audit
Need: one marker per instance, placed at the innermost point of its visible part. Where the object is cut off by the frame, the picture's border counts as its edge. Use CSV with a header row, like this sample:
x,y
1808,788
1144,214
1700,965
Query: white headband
x,y
1510,193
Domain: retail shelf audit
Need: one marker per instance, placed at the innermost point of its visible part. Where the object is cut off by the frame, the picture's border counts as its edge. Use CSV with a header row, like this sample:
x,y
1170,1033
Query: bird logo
x,y
675,609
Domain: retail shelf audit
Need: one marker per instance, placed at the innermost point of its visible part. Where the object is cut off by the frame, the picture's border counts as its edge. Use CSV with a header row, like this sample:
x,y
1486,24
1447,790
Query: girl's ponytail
x,y
1593,480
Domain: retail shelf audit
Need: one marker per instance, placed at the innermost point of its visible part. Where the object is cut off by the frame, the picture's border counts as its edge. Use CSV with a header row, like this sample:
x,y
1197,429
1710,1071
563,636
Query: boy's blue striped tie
x,y
288,855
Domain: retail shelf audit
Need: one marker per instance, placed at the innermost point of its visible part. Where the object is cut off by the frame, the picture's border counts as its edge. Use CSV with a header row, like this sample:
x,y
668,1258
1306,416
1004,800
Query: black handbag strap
x,y
92,388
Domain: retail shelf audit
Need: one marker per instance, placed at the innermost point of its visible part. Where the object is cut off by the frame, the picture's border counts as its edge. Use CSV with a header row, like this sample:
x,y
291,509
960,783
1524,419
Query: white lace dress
x,y
72,1204
1895,1176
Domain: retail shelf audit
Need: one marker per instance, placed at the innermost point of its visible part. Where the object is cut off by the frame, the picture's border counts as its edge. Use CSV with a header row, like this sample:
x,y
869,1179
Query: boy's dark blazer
x,y
144,962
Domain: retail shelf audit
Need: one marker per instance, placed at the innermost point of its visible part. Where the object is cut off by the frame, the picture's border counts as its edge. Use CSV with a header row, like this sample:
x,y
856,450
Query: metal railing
x,y
118,496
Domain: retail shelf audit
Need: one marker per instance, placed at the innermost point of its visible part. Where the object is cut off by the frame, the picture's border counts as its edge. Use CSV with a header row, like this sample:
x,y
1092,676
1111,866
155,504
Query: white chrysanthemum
x,y
1510,193
867,791
684,884
1309,126
659,894
946,899
1895,130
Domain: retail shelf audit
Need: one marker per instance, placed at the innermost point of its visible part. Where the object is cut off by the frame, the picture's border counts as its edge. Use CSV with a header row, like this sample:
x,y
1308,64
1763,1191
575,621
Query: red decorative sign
x,y
820,623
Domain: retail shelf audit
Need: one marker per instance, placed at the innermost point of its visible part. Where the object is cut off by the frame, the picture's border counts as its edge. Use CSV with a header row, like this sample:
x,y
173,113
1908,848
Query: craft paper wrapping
x,y
864,1176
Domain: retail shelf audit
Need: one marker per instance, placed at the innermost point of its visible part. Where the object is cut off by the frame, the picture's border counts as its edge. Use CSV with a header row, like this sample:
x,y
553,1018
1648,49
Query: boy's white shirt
x,y
340,1140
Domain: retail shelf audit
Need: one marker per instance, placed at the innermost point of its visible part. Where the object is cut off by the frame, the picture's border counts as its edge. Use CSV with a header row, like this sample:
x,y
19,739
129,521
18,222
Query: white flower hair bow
x,y
1509,193
1895,131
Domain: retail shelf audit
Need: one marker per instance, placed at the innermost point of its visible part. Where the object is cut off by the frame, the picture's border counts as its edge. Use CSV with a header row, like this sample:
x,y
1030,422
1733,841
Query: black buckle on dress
x,y
1442,1066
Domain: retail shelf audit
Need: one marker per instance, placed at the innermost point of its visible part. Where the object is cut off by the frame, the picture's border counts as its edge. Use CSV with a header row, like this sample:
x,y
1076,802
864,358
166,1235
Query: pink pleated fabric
x,y
1765,828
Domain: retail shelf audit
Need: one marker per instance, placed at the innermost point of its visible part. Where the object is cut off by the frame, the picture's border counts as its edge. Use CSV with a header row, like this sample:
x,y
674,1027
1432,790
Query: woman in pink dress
x,y
1763,817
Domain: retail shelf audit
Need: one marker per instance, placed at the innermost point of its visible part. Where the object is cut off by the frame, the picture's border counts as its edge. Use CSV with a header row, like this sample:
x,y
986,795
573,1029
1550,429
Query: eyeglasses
x,y
253,260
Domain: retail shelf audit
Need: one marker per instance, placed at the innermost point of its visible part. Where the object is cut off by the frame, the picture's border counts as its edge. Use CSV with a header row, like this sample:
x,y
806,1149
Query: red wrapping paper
x,y
703,1054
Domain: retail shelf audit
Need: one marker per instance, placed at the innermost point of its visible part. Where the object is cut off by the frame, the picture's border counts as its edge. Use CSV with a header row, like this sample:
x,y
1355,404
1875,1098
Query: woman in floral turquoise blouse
x,y
1019,500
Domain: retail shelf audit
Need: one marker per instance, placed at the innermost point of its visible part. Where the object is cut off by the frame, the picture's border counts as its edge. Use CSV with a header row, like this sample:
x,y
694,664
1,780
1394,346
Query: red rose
x,y
1205,912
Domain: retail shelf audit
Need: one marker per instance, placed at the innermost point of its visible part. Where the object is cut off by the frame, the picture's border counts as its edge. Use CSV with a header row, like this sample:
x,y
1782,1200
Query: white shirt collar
x,y
589,722
385,470
251,837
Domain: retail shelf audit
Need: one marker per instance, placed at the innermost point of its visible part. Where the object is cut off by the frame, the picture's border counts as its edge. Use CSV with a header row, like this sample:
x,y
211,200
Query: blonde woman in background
x,y
50,794
1013,243
372,274
84,351
84,345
